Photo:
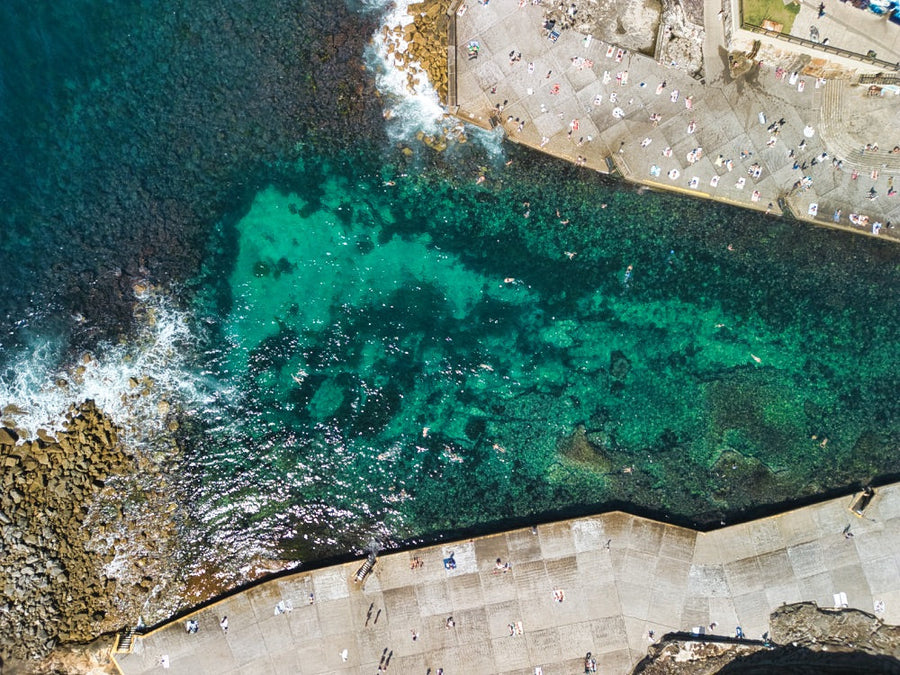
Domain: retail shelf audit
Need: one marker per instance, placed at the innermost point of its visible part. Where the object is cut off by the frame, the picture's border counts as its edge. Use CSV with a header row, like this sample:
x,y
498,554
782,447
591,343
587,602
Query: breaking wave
x,y
137,383
413,106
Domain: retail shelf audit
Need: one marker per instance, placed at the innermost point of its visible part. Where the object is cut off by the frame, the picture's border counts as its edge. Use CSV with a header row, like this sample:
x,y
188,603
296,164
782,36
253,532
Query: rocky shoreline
x,y
88,539
803,638
420,47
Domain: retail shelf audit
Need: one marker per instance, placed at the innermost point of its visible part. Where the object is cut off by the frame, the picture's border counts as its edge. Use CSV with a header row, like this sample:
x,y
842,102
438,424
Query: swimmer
x,y
388,183
479,180
570,254
628,272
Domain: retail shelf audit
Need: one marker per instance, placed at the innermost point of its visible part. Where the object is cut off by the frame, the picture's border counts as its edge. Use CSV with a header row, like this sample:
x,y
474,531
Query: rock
x,y
8,436
52,555
802,634
579,449
619,365
46,436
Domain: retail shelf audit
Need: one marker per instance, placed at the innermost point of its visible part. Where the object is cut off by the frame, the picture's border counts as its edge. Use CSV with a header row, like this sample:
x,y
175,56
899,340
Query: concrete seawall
x,y
619,576
589,102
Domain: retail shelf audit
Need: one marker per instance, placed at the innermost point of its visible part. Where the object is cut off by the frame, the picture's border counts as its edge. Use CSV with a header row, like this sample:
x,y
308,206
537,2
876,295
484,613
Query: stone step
x,y
125,641
839,143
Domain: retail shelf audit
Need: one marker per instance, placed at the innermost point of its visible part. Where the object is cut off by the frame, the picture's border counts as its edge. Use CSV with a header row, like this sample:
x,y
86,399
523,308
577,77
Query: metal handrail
x,y
837,51
451,55
879,78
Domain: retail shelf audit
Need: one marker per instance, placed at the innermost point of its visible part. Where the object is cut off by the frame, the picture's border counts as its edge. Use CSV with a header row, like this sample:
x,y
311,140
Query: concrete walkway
x,y
620,577
586,101
845,26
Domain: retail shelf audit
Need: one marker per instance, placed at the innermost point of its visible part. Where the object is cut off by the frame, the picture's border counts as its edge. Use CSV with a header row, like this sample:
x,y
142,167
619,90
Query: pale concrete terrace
x,y
599,102
622,576
845,26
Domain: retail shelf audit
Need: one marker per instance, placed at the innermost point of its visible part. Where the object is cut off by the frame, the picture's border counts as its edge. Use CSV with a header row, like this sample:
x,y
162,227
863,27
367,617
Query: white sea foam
x,y
412,105
135,383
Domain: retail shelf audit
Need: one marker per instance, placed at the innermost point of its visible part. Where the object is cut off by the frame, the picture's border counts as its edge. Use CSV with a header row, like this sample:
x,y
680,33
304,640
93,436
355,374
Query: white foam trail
x,y
136,383
491,141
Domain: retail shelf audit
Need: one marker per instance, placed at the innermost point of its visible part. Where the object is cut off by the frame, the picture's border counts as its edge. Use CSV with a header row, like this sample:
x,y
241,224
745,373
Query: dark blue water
x,y
128,128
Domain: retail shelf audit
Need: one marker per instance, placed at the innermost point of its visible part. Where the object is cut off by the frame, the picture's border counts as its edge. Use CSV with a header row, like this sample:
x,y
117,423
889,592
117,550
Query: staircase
x,y
839,143
124,641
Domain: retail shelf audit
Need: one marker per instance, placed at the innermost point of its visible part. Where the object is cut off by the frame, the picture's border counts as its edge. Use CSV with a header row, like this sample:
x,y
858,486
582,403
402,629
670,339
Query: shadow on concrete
x,y
702,523
726,66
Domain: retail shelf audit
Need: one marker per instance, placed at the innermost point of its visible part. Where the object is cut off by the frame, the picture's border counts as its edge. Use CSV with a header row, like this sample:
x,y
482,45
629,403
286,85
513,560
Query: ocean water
x,y
359,342
412,366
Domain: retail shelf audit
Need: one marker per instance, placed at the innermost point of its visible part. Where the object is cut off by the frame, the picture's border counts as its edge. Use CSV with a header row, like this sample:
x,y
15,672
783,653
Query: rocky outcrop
x,y
807,625
804,638
69,510
630,24
579,449
681,41
93,658
420,47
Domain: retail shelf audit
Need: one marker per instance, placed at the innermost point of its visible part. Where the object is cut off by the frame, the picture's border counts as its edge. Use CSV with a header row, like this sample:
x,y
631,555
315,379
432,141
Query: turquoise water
x,y
400,361
432,355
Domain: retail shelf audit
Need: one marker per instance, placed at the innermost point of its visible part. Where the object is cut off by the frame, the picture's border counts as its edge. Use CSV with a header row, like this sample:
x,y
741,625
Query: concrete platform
x,y
587,101
621,576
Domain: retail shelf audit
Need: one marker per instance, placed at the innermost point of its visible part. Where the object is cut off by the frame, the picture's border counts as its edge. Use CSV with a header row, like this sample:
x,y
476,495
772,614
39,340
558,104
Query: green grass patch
x,y
757,11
